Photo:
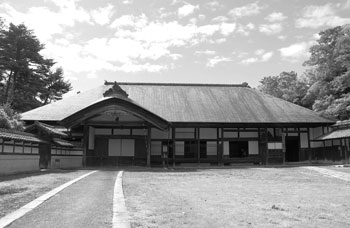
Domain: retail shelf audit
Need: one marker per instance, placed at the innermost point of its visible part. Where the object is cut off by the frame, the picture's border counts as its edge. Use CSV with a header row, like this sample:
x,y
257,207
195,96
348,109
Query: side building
x,y
155,123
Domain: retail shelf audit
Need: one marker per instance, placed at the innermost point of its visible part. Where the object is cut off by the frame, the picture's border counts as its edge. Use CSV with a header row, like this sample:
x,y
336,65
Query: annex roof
x,y
184,103
51,130
337,134
19,136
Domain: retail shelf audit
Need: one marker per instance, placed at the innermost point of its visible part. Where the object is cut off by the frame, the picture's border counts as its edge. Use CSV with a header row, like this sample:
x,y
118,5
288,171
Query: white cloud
x,y
216,60
186,10
245,29
127,2
317,16
259,52
213,5
250,60
295,51
267,56
270,29
219,19
261,56
227,28
44,21
102,16
275,16
246,10
205,52
130,21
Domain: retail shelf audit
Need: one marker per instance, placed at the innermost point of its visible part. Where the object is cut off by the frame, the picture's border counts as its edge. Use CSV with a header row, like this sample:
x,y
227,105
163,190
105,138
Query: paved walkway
x,y
87,203
330,173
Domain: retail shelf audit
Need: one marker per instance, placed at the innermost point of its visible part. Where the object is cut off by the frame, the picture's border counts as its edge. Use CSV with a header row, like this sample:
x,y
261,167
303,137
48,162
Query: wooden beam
x,y
308,145
85,143
174,146
198,145
149,146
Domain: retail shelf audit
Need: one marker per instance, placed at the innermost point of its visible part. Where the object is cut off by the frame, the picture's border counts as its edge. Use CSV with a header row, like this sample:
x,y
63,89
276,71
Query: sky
x,y
175,41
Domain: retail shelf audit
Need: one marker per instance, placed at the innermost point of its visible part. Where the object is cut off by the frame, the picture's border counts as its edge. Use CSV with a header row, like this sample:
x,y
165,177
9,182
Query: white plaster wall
x,y
303,140
230,134
207,133
158,134
156,147
63,162
226,148
253,147
103,131
180,148
18,163
248,134
212,148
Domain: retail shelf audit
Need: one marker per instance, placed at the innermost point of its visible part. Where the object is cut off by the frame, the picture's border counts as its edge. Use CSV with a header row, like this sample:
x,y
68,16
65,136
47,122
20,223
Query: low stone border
x,y
120,213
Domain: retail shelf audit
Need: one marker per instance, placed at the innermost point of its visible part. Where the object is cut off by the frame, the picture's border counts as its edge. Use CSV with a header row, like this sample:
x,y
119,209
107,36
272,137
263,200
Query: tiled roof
x,y
51,130
61,142
18,135
199,103
337,134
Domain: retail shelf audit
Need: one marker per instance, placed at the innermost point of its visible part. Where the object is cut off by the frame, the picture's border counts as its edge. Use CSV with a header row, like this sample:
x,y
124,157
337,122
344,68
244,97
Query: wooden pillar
x,y
148,146
266,147
85,143
308,145
346,150
284,147
174,146
198,146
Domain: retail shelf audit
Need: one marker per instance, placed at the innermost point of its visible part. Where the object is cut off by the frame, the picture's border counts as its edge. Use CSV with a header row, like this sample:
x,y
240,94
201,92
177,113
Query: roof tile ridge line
x,y
12,131
178,84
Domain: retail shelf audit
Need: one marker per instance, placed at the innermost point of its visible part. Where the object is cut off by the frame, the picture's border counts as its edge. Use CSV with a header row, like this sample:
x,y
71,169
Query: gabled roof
x,y
20,136
183,103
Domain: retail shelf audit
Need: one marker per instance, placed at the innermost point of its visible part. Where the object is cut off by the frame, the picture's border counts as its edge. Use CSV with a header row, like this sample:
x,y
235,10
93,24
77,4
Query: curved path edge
x,y
8,219
120,213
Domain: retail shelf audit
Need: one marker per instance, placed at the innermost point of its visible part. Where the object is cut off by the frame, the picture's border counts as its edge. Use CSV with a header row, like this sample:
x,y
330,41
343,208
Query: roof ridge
x,y
244,84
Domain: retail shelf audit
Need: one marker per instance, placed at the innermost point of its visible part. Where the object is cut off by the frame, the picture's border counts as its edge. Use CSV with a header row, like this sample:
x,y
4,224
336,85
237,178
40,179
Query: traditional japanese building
x,y
147,123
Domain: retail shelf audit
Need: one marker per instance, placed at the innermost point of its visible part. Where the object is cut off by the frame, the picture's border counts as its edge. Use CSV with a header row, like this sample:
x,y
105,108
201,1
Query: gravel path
x,y
331,173
87,203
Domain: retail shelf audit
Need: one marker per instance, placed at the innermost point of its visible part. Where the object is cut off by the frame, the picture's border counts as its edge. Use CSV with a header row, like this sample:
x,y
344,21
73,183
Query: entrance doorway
x,y
238,149
112,152
292,148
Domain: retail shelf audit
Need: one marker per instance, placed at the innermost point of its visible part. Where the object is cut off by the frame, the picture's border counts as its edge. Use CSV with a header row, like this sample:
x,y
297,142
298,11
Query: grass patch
x,y
237,197
19,189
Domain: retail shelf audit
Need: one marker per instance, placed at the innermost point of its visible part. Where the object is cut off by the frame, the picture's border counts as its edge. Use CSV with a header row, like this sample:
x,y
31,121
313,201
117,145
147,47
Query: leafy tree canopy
x,y
330,64
286,85
26,78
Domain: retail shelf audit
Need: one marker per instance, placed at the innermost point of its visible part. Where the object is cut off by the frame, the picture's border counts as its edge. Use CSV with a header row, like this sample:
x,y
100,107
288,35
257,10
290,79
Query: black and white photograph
x,y
174,113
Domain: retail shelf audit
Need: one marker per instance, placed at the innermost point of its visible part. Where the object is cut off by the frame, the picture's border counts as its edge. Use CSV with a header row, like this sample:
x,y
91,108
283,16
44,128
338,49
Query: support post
x,y
266,147
85,143
174,144
198,147
308,145
284,147
346,140
148,146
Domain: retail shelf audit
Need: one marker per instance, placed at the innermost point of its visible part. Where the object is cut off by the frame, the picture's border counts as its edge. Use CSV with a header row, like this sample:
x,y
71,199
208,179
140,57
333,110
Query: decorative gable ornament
x,y
115,90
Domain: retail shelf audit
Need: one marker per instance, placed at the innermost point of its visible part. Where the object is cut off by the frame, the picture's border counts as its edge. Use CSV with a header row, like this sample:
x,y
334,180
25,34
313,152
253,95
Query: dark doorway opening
x,y
292,149
238,149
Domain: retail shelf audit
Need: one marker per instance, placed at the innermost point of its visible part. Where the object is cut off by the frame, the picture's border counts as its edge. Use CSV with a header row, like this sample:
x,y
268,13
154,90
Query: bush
x,y
9,119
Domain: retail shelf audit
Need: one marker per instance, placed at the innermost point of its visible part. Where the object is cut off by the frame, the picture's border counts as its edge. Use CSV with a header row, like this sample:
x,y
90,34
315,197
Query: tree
x,y
26,76
9,119
329,92
286,85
